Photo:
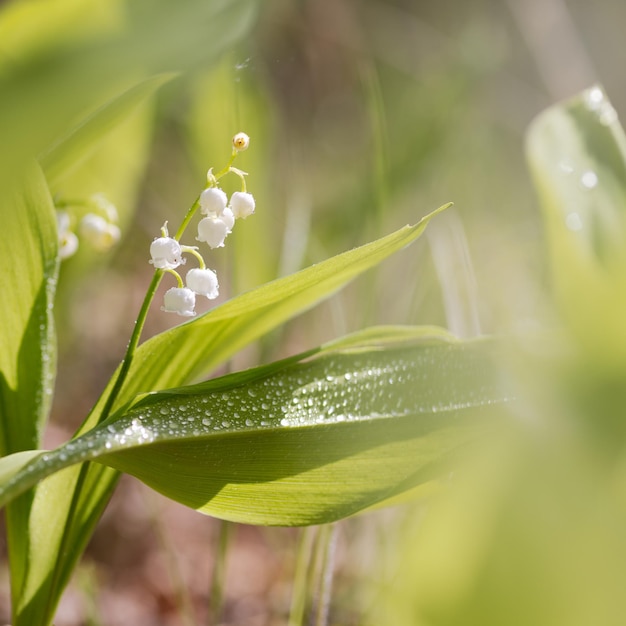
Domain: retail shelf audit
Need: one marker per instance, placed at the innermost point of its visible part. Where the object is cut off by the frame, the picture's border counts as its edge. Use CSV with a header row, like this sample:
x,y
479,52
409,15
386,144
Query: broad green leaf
x,y
303,441
28,354
27,358
82,140
577,153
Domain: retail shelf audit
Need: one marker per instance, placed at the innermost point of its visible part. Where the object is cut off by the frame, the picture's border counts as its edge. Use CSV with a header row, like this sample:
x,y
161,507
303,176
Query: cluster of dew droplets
x,y
333,389
330,390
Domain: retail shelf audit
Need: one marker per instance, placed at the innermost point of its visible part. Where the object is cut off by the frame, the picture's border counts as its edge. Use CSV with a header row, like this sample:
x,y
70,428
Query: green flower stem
x,y
190,213
194,250
132,344
179,280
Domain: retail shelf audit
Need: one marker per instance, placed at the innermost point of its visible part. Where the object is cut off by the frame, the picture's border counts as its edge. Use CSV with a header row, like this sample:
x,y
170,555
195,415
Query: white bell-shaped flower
x,y
213,230
68,241
166,253
68,244
242,204
213,201
228,218
180,300
203,282
98,232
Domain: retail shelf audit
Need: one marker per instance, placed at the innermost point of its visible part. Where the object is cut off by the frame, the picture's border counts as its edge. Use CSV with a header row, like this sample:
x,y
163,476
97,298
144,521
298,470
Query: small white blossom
x,y
242,204
68,244
203,282
180,300
228,218
213,201
68,241
102,204
98,232
213,230
241,141
166,253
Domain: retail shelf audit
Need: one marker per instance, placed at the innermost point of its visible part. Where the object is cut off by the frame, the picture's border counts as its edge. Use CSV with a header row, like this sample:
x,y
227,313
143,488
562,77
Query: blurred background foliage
x,y
364,115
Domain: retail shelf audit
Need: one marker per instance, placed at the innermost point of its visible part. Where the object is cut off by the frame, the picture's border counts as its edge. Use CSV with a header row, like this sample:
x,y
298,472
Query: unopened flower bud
x,y
166,253
213,230
242,204
213,201
203,282
241,141
98,232
180,300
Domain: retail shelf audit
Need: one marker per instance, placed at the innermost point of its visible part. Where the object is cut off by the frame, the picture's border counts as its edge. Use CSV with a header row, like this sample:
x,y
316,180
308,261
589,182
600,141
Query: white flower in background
x,y
241,141
213,201
68,241
242,204
180,300
103,205
98,232
166,253
214,230
203,282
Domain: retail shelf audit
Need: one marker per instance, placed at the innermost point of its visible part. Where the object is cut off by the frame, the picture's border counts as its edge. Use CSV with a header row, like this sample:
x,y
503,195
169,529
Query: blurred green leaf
x,y
577,153
82,140
302,441
45,92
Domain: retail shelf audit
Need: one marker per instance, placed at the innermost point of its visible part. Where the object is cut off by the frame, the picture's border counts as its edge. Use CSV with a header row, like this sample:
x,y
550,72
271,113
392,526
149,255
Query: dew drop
x,y
573,221
589,179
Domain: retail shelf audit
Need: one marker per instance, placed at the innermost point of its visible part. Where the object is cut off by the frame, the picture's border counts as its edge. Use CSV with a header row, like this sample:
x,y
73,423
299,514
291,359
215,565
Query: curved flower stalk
x,y
218,221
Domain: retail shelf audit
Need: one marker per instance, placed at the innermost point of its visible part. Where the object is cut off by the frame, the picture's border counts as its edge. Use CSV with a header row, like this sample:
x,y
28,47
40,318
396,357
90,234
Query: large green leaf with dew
x,y
305,441
577,153
28,354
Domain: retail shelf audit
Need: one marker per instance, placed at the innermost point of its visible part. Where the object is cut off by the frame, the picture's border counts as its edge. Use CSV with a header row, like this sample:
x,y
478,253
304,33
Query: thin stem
x,y
300,587
180,591
226,168
218,579
328,544
190,213
194,250
132,344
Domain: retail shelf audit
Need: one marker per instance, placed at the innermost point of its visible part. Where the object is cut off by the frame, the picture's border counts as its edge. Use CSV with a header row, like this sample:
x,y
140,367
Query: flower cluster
x,y
98,227
219,215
